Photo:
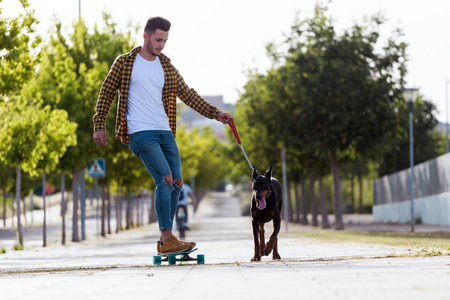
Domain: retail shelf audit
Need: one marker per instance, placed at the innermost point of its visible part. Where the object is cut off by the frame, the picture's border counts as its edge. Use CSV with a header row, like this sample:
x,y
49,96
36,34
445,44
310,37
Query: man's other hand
x,y
100,138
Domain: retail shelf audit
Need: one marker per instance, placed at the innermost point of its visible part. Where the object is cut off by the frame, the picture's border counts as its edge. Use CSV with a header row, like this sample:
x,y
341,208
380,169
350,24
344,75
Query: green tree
x,y
327,95
69,78
6,185
18,49
32,138
428,143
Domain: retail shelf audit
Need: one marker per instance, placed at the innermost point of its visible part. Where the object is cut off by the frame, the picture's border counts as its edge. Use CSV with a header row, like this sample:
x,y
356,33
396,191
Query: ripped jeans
x,y
159,152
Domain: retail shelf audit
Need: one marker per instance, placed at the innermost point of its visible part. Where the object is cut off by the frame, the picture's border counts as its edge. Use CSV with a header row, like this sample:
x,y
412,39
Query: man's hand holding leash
x,y
224,117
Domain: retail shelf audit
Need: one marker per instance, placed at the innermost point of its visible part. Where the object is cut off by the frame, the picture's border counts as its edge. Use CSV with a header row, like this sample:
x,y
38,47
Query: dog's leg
x,y
257,256
273,238
262,239
275,254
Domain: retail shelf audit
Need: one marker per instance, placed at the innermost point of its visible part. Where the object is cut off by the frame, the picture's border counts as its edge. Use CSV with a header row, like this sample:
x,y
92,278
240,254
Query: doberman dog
x,y
266,206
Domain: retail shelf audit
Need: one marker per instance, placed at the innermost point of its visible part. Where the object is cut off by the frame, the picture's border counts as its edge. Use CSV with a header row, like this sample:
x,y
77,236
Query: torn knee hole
x,y
168,179
179,182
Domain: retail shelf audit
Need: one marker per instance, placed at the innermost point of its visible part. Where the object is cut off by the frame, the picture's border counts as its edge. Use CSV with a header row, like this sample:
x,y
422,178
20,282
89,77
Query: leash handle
x,y
233,129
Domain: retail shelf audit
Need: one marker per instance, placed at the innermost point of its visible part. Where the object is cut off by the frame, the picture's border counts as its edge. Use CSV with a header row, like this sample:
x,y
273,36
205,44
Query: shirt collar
x,y
136,50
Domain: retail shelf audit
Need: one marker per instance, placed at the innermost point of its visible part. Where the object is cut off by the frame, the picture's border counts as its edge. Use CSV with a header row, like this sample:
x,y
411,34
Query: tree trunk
x,y
119,210
304,200
297,201
128,213
19,225
339,223
44,229
4,206
13,209
289,199
312,189
103,211
360,205
108,208
153,217
323,204
352,194
140,206
75,203
63,209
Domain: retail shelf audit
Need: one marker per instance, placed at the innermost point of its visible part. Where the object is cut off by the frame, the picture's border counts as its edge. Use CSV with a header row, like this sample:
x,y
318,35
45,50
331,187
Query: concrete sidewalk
x,y
120,267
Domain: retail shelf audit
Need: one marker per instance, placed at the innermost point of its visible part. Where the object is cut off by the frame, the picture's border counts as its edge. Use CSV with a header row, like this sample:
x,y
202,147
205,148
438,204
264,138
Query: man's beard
x,y
151,50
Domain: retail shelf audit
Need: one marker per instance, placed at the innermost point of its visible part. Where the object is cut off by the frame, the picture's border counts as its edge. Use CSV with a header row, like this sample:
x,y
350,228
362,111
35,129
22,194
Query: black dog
x,y
266,206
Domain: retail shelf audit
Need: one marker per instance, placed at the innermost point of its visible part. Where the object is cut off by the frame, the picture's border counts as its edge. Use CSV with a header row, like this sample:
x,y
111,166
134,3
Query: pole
x,y
97,210
446,110
447,146
411,160
285,191
44,227
79,8
83,205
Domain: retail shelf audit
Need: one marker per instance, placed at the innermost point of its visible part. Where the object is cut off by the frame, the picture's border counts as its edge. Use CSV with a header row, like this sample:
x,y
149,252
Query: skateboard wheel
x,y
172,259
156,260
201,259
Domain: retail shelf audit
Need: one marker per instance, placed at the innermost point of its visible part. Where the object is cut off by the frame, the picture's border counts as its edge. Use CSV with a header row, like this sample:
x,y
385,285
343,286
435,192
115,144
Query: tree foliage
x,y
34,138
18,49
328,98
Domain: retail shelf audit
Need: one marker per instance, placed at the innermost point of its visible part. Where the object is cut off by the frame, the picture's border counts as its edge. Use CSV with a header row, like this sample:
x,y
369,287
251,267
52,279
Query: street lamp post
x,y
410,96
446,111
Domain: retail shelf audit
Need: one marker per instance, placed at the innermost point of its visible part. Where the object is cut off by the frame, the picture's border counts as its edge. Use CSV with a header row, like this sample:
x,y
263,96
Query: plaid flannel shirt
x,y
118,79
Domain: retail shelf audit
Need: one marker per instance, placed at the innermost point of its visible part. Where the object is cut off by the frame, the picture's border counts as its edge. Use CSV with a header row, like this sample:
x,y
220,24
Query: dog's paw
x,y
256,258
276,256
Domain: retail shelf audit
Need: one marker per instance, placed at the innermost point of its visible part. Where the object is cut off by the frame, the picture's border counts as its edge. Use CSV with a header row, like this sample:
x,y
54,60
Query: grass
x,y
2,250
426,244
18,247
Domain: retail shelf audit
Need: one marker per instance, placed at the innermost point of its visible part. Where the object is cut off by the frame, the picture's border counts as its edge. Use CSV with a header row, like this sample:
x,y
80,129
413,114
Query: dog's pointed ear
x,y
268,174
254,174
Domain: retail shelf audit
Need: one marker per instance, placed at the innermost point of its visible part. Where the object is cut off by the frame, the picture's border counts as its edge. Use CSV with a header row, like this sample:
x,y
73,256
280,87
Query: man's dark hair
x,y
156,23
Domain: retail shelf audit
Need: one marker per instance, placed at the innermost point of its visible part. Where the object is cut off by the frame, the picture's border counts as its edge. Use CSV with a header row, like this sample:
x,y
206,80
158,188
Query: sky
x,y
213,43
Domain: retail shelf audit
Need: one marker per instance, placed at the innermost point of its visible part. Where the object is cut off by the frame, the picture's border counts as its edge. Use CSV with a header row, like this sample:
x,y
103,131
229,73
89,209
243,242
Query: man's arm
x,y
105,98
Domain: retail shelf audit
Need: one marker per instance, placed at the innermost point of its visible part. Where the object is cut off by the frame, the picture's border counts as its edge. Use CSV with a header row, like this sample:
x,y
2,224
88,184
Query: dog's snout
x,y
258,196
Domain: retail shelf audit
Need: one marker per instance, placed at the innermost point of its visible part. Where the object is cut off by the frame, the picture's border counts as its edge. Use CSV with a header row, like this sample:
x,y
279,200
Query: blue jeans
x,y
159,152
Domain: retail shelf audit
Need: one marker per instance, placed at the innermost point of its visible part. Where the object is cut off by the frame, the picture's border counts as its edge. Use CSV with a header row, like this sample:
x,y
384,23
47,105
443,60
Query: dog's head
x,y
261,187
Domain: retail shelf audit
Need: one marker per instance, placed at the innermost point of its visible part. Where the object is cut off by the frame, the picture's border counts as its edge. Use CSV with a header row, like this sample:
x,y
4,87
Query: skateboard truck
x,y
184,257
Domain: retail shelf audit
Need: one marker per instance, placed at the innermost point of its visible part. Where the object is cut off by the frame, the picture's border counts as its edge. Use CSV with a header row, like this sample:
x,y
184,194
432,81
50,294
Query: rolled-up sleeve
x,y
107,95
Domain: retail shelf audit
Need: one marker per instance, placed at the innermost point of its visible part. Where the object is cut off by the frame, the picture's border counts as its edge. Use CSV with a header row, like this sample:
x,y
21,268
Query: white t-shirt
x,y
145,109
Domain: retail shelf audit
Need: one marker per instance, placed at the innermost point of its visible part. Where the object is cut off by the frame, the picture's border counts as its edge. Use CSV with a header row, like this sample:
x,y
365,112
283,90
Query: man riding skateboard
x,y
146,119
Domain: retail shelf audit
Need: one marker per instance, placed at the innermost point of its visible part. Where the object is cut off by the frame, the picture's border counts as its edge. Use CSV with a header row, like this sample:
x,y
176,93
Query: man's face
x,y
155,43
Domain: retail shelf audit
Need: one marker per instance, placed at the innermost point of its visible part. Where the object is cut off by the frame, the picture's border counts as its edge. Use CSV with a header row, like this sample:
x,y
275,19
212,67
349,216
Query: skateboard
x,y
183,257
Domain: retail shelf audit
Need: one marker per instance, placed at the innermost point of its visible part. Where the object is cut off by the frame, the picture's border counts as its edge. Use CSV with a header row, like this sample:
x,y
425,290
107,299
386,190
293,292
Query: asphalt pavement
x,y
121,266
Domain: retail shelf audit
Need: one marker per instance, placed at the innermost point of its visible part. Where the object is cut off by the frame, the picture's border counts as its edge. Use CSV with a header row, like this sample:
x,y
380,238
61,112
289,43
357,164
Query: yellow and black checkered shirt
x,y
118,79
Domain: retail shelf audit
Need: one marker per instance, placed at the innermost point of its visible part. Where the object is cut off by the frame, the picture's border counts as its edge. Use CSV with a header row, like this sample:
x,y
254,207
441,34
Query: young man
x,y
146,119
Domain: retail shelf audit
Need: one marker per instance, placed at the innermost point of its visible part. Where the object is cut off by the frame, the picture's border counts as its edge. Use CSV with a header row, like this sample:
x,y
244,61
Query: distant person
x,y
186,197
148,86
